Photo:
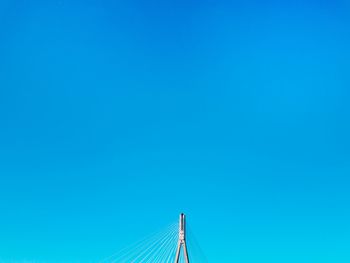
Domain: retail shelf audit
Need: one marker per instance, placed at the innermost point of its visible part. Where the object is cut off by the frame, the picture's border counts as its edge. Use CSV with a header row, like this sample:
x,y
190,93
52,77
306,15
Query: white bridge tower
x,y
182,240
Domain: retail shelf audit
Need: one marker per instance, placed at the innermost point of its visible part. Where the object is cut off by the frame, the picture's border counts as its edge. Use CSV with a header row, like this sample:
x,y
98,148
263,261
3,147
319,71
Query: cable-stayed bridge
x,y
172,245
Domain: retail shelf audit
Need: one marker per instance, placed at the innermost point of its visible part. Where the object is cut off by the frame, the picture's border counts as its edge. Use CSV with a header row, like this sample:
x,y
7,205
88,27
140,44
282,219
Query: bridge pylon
x,y
182,240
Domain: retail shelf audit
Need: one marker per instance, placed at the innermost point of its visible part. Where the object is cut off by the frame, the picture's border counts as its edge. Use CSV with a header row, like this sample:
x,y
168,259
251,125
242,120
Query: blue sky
x,y
115,116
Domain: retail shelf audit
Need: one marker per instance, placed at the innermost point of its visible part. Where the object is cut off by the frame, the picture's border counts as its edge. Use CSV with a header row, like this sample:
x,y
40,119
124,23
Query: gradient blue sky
x,y
117,115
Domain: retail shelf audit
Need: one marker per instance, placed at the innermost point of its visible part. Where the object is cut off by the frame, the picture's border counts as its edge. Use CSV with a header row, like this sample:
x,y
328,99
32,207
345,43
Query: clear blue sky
x,y
117,115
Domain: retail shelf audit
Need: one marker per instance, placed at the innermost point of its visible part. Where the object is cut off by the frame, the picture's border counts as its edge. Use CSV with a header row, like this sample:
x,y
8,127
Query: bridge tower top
x,y
182,239
182,230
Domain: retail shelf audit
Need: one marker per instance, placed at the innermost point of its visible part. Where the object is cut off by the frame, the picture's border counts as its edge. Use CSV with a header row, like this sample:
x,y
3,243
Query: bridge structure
x,y
167,246
182,240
